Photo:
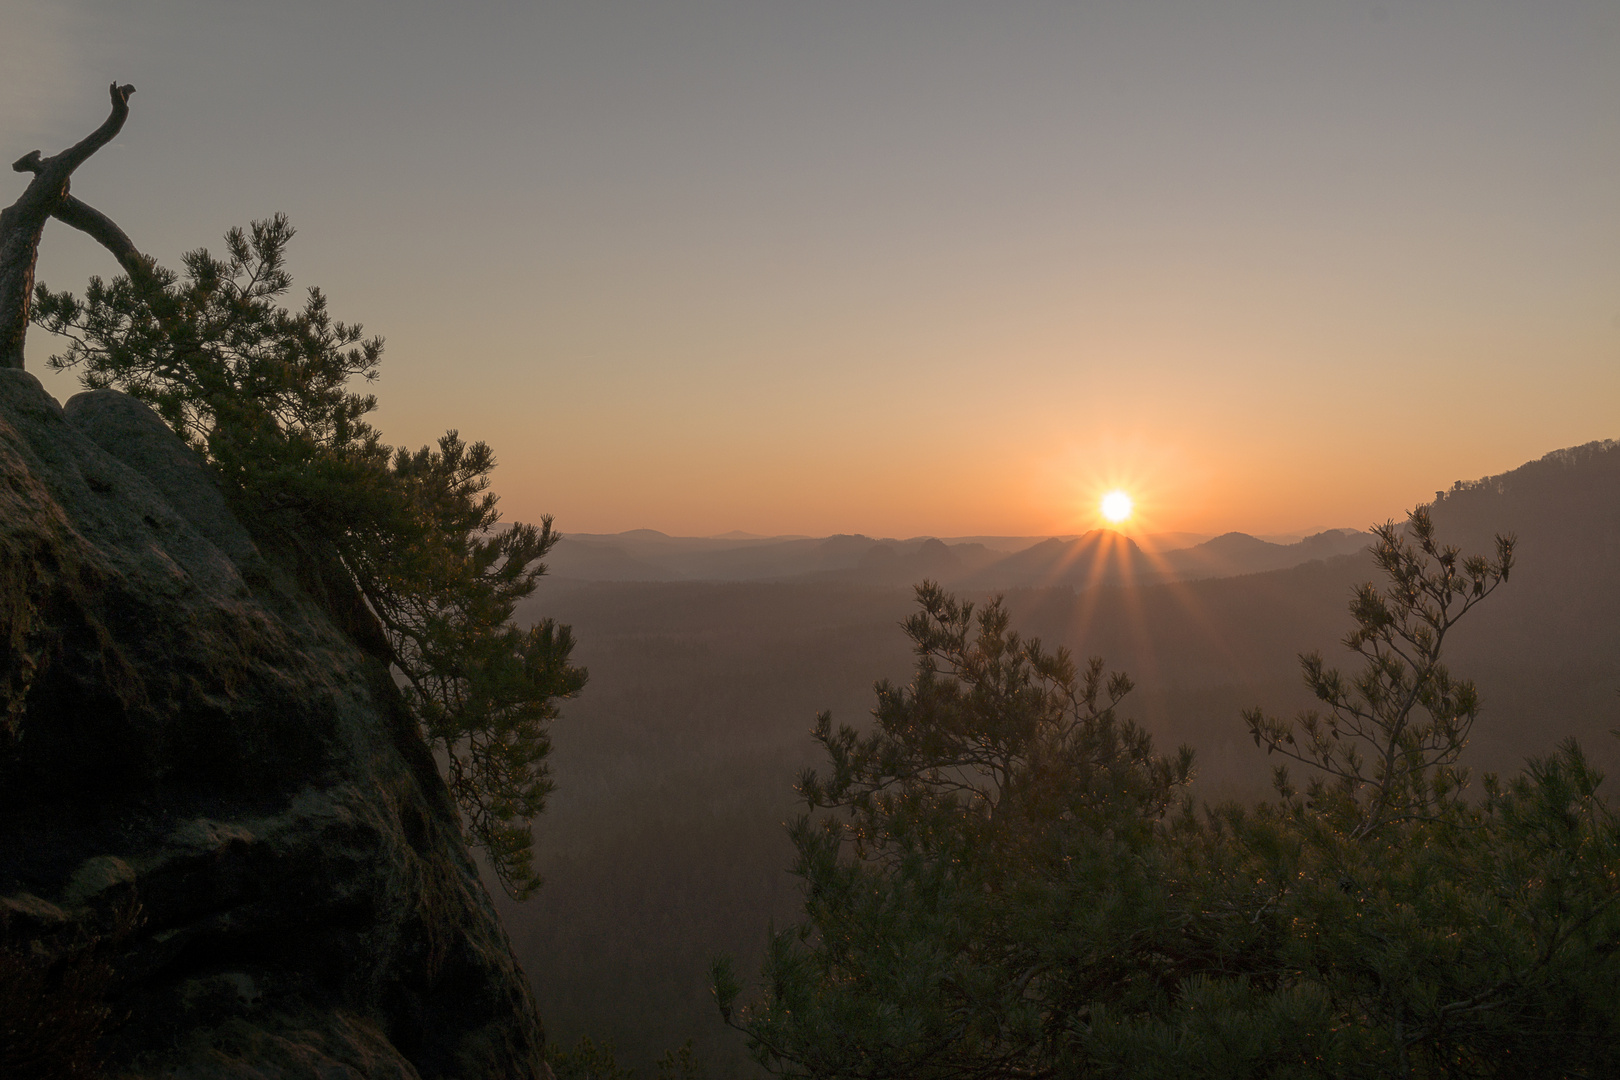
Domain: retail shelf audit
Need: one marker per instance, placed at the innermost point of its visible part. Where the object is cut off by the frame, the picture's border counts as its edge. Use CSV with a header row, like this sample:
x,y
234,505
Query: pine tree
x,y
981,869
263,392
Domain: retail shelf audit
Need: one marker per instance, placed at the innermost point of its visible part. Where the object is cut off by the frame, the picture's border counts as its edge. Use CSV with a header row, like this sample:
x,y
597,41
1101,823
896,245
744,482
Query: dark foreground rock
x,y
201,771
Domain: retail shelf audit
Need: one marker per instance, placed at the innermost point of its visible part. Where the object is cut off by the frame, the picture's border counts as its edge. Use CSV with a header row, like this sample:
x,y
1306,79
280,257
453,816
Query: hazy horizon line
x,y
1190,536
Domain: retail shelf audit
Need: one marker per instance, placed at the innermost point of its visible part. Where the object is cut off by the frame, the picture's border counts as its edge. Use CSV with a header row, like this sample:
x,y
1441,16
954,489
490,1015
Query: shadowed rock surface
x,y
188,734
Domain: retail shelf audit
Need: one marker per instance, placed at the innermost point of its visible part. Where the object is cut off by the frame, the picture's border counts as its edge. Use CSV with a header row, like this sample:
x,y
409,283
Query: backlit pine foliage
x,y
263,391
1002,880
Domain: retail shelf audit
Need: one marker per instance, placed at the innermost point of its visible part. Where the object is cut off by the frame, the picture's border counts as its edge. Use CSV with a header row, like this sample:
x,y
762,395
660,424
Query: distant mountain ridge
x,y
1239,553
1097,557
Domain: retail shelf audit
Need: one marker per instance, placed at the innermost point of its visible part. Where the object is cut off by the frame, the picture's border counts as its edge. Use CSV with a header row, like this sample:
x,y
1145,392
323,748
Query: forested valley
x,y
666,842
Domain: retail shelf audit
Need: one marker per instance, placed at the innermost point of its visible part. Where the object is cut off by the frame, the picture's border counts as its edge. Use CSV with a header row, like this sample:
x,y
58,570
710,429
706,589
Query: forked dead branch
x,y
22,224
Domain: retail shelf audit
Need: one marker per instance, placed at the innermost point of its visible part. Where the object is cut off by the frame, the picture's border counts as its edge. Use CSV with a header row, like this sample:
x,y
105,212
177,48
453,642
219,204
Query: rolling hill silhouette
x,y
1236,553
1099,557
663,844
1096,558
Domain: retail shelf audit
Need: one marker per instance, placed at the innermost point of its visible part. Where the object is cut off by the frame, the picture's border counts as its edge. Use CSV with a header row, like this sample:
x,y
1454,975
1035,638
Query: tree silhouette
x,y
22,224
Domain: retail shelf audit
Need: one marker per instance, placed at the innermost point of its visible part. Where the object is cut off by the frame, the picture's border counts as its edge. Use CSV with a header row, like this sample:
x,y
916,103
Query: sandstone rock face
x,y
188,737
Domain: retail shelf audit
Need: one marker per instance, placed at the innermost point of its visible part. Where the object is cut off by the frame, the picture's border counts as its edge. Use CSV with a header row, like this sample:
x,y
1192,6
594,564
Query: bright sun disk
x,y
1116,506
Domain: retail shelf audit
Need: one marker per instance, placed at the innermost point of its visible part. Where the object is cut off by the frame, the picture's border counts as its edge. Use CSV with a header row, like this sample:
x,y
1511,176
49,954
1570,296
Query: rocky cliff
x,y
203,771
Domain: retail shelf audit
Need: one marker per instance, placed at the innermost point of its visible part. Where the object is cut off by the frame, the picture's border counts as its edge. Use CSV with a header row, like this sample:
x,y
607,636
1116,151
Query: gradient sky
x,y
899,268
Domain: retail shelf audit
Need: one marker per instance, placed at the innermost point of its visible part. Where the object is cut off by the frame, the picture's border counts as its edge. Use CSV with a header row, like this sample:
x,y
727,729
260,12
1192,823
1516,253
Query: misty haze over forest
x,y
710,658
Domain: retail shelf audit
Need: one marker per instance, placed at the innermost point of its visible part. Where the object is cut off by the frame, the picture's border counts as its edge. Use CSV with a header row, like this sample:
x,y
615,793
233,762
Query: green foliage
x,y
1399,634
1001,883
983,872
263,392
590,1061
228,368
443,581
586,1061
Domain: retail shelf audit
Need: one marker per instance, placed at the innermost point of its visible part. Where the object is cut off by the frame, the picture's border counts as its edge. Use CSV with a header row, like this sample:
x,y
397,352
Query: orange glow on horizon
x,y
1134,485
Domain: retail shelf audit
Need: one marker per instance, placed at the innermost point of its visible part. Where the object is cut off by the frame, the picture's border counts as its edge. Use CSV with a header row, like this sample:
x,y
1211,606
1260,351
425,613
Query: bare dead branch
x,y
23,222
101,228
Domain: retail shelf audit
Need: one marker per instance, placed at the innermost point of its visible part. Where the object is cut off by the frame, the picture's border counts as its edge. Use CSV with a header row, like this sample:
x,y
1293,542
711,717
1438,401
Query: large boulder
x,y
207,774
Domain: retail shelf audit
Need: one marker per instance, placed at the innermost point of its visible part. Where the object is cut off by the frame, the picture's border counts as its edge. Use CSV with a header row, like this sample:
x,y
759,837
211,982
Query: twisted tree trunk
x,y
23,222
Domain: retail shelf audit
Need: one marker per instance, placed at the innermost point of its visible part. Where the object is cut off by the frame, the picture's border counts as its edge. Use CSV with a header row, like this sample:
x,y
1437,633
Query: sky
x,y
898,267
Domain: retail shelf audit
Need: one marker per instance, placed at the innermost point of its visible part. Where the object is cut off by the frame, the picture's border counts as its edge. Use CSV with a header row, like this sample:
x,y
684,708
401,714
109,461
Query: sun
x,y
1117,506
